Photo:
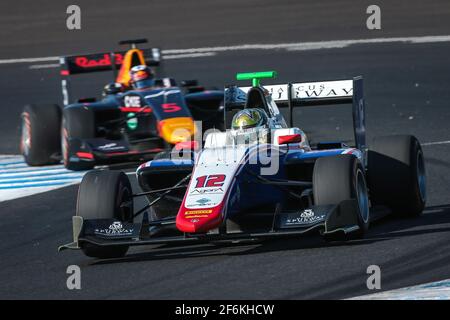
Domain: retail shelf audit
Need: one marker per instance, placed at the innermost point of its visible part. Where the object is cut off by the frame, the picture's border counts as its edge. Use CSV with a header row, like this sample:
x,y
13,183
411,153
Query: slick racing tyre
x,y
340,178
40,130
396,174
105,195
77,123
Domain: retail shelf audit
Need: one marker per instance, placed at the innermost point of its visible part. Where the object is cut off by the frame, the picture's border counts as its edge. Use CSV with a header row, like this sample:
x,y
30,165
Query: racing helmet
x,y
112,88
249,118
250,126
141,77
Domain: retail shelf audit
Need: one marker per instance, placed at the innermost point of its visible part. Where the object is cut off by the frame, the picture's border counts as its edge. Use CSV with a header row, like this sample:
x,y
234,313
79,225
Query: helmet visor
x,y
144,84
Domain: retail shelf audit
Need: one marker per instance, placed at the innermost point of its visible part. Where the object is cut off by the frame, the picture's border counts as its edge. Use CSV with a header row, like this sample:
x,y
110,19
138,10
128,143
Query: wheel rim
x,y
25,135
125,202
362,196
421,177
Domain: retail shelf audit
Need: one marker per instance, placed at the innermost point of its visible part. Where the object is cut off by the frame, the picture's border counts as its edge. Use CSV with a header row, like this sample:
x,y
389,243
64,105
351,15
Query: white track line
x,y
189,55
29,60
45,66
312,45
288,46
19,180
435,143
430,291
168,57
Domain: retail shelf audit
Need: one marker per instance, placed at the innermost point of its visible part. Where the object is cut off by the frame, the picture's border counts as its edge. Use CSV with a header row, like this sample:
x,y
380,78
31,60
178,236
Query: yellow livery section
x,y
175,130
133,57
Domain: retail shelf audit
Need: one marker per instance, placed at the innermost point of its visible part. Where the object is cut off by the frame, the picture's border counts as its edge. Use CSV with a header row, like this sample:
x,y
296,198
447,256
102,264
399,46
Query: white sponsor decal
x,y
162,93
325,89
115,229
308,213
202,202
132,101
310,90
201,191
111,146
306,217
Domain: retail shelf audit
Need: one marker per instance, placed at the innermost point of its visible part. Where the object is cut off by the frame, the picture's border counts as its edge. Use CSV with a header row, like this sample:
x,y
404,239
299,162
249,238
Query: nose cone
x,y
198,220
177,130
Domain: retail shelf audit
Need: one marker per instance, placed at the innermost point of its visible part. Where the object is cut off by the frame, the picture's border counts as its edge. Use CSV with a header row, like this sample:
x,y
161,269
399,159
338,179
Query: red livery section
x,y
210,181
292,138
136,109
199,220
85,155
188,145
104,60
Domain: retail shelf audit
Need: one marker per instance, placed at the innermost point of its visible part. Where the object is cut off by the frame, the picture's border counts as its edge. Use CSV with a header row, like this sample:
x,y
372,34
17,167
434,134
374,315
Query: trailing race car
x,y
259,179
138,116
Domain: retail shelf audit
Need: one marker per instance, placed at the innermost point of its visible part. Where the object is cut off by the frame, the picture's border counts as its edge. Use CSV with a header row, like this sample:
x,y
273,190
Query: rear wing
x,y
310,94
95,62
106,61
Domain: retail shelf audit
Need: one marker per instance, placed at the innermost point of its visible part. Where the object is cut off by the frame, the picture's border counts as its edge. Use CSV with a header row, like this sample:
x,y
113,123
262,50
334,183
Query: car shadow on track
x,y
435,219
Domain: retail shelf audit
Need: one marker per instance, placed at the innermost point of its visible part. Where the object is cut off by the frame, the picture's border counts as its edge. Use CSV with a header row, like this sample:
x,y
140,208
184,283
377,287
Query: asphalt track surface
x,y
406,89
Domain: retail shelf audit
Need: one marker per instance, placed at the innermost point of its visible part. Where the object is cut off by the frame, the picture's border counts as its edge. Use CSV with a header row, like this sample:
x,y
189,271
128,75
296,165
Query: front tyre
x,y
396,174
340,178
105,195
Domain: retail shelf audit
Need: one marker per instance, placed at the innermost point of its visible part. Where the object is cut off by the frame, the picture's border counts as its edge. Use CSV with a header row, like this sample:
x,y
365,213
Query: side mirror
x,y
291,138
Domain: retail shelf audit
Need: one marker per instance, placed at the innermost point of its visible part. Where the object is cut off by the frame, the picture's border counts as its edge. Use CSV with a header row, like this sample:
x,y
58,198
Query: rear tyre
x,y
396,174
340,178
77,123
40,134
105,195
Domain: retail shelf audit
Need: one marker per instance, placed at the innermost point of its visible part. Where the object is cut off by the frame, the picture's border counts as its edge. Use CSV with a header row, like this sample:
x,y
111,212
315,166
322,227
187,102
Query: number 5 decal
x,y
170,107
211,181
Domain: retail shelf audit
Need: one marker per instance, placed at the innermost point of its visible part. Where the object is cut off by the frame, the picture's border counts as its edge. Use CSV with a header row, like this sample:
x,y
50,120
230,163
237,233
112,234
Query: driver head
x,y
250,126
141,77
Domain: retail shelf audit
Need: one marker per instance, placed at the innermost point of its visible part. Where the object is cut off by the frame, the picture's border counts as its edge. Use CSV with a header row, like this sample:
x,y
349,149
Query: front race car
x,y
255,183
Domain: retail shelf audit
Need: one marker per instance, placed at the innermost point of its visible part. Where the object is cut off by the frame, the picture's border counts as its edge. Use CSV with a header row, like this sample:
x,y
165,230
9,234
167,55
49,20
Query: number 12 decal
x,y
210,181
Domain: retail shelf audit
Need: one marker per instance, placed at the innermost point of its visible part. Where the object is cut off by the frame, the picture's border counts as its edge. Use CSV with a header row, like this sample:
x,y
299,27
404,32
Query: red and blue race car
x,y
127,124
261,178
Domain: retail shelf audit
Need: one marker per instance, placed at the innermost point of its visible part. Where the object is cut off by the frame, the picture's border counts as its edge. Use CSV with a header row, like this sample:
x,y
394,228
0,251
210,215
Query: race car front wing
x,y
331,219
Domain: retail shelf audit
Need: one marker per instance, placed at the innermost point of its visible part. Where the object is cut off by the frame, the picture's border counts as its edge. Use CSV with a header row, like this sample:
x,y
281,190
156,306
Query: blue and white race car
x,y
261,178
